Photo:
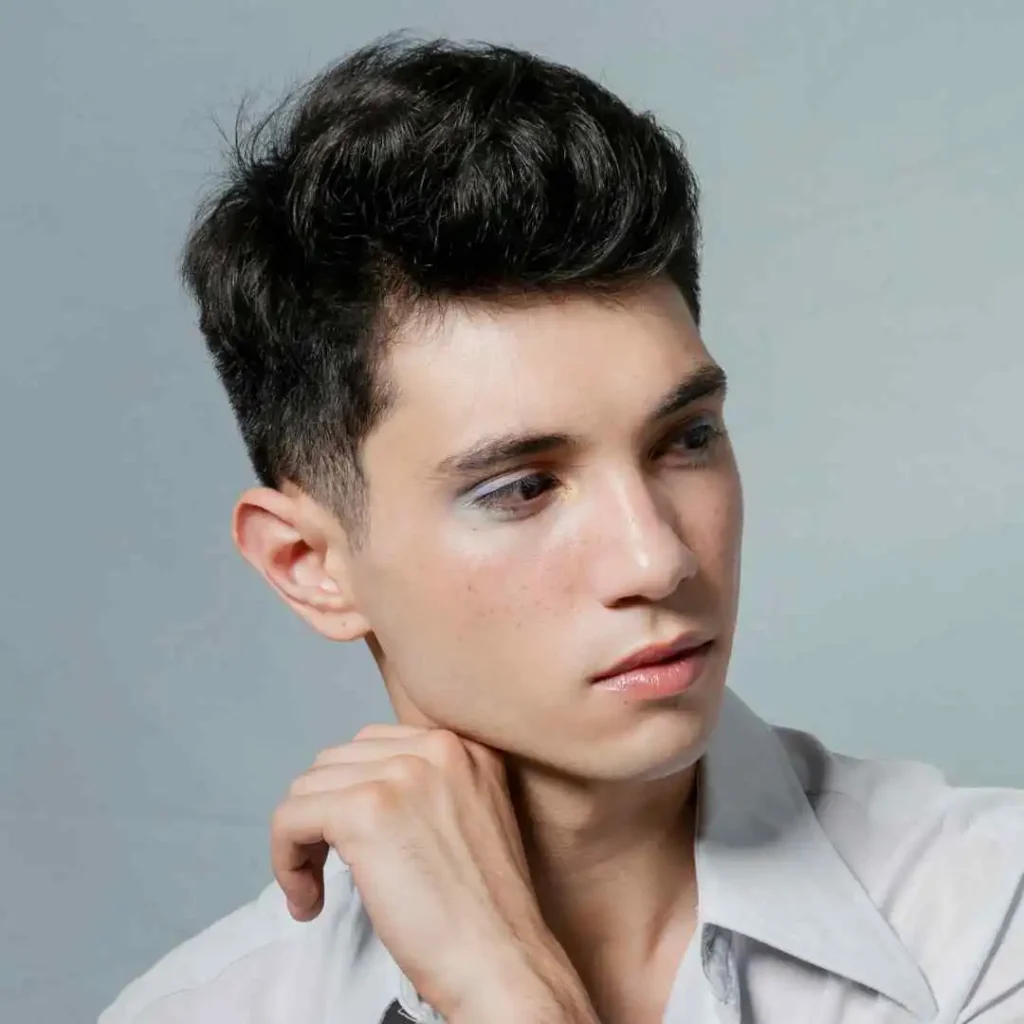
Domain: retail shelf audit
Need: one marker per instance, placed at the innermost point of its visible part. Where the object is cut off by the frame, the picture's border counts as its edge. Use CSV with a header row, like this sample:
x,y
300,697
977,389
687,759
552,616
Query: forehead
x,y
482,353
571,364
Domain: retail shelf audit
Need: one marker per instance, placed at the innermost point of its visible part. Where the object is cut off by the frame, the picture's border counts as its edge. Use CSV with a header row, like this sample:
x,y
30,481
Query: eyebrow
x,y
492,453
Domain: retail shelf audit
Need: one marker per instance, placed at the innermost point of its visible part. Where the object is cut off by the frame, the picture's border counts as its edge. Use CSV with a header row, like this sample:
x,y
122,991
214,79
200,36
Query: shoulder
x,y
873,807
943,863
259,963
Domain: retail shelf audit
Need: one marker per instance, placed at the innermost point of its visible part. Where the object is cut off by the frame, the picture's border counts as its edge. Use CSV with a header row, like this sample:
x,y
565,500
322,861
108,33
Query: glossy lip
x,y
656,654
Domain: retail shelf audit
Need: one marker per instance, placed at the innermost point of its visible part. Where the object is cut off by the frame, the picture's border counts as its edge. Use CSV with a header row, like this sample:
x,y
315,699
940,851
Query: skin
x,y
488,624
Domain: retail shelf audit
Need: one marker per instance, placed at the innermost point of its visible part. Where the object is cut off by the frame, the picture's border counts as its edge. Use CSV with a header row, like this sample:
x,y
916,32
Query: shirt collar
x,y
766,868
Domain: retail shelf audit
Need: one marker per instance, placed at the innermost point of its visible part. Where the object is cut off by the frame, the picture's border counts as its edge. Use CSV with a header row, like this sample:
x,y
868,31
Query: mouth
x,y
668,678
657,654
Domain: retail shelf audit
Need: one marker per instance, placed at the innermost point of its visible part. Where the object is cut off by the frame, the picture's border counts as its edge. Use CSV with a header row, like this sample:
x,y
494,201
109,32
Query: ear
x,y
301,550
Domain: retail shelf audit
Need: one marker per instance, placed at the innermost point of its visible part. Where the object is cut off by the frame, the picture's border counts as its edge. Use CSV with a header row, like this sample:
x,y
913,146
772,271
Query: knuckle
x,y
445,748
373,802
280,818
299,786
327,756
407,770
373,731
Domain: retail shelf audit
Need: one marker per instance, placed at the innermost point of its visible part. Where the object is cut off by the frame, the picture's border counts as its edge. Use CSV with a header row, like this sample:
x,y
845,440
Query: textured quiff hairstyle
x,y
408,175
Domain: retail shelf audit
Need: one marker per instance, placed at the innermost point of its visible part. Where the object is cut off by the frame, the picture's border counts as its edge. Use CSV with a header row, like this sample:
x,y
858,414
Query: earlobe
x,y
291,543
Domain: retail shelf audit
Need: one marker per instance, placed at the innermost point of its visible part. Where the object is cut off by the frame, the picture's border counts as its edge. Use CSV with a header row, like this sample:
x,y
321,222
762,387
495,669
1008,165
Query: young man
x,y
452,293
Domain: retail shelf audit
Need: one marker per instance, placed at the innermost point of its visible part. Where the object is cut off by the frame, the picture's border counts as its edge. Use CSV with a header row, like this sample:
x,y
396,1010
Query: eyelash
x,y
494,501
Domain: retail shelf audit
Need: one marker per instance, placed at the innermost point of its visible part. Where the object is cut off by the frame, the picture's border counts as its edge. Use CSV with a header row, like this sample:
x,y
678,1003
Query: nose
x,y
640,552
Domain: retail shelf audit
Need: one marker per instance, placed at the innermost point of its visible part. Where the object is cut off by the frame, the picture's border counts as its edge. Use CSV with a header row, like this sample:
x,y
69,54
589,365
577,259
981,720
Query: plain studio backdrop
x,y
863,175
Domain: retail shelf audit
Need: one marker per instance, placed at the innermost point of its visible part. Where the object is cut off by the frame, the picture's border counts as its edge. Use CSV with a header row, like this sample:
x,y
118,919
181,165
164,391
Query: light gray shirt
x,y
832,890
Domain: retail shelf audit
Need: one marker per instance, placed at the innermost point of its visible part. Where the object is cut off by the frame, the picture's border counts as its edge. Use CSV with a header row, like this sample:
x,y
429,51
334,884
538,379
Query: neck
x,y
612,863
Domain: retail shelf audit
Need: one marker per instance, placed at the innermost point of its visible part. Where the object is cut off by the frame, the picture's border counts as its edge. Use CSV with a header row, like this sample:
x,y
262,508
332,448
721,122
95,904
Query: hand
x,y
423,820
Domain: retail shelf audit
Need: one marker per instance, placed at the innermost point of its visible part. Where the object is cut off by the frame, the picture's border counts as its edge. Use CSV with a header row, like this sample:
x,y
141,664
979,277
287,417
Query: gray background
x,y
863,167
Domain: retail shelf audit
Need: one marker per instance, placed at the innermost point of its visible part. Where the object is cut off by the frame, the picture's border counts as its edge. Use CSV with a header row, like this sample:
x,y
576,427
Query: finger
x,y
305,826
443,748
305,894
378,741
365,750
340,775
486,758
386,730
298,851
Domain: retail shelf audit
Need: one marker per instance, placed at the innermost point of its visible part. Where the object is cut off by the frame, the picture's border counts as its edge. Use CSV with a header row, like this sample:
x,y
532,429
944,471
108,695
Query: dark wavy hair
x,y
407,175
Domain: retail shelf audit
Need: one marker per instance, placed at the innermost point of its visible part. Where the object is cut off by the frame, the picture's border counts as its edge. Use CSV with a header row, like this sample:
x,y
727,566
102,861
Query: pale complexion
x,y
491,592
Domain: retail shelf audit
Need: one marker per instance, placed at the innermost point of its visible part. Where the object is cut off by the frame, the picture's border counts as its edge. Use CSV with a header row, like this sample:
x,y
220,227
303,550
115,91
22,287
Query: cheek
x,y
504,597
456,605
474,644
730,514
721,536
722,512
711,521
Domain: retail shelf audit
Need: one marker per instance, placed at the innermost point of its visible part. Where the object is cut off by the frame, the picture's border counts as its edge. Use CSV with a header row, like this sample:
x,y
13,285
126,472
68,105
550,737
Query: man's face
x,y
495,593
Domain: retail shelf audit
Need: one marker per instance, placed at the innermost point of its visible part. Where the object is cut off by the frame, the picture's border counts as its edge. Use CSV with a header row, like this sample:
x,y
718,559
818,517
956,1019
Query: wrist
x,y
549,992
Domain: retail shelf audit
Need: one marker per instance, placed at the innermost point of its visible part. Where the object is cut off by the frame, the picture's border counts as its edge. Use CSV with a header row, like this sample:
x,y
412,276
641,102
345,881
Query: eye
x,y
516,495
697,440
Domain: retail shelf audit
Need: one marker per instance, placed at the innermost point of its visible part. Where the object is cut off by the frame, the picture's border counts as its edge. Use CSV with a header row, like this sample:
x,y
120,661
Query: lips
x,y
656,654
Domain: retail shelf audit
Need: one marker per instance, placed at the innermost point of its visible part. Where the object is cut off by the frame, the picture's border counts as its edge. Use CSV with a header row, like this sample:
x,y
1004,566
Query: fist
x,y
423,820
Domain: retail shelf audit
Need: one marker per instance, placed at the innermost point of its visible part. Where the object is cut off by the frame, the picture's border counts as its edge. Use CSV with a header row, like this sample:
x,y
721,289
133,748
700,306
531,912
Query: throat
x,y
635,987
615,878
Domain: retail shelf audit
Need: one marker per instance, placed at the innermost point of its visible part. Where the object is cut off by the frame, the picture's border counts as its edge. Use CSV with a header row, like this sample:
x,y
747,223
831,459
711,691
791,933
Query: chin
x,y
609,761
667,741
676,765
